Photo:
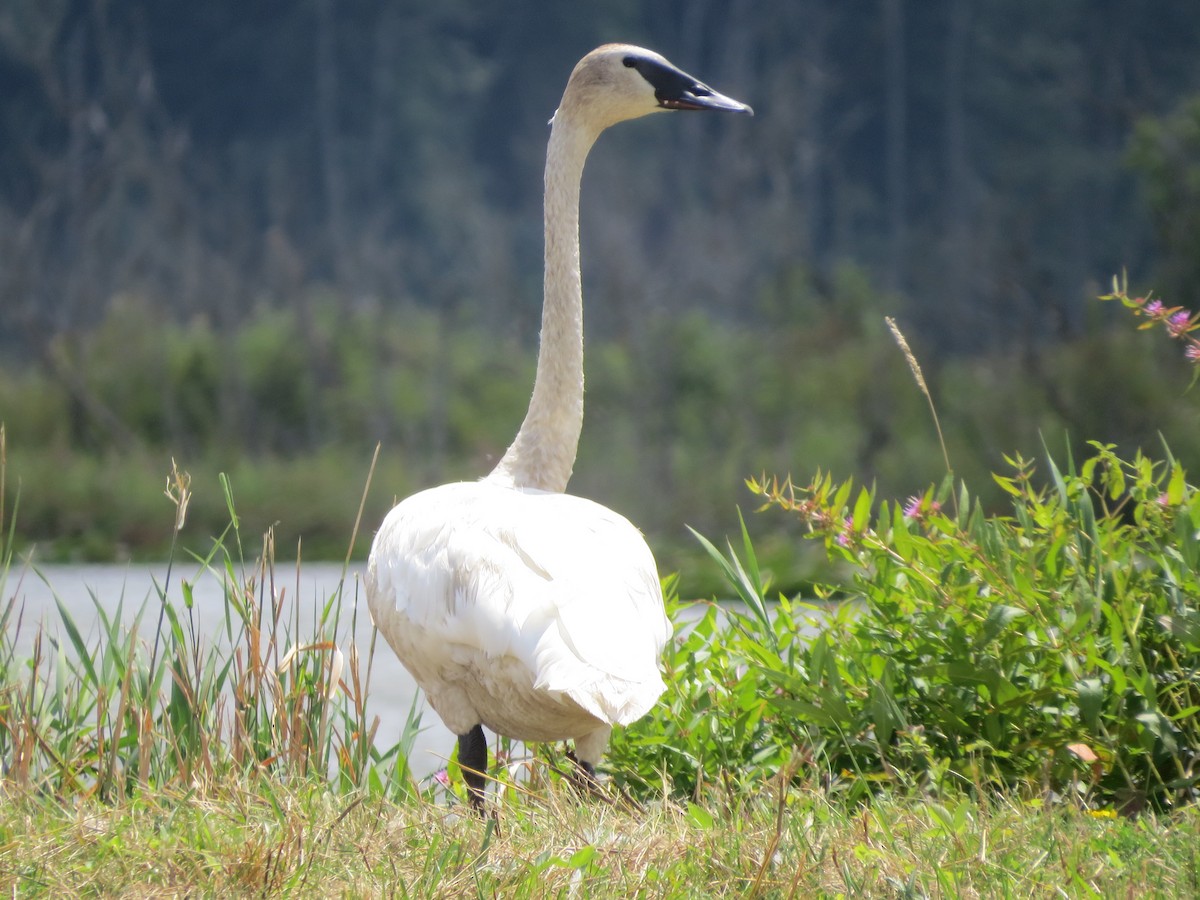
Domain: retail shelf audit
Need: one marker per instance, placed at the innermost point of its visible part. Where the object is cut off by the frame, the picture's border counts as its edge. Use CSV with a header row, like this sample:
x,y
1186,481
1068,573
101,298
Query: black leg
x,y
583,776
472,759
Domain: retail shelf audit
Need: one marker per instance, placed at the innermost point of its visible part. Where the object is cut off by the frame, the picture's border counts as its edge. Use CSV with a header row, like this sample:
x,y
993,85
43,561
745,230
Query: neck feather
x,y
543,453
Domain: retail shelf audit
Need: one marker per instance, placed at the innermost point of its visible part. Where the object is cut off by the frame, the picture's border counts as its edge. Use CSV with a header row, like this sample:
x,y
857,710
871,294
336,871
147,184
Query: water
x,y
132,589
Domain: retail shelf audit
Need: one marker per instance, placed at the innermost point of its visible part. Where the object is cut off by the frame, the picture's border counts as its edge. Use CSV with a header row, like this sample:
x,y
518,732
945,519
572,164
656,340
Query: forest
x,y
261,239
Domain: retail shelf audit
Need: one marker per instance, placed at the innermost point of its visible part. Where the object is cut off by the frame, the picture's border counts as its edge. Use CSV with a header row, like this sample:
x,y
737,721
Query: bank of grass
x,y
81,508
269,837
158,762
96,508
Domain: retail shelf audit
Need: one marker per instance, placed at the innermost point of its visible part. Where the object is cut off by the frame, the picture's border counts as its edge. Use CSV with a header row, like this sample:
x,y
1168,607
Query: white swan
x,y
514,605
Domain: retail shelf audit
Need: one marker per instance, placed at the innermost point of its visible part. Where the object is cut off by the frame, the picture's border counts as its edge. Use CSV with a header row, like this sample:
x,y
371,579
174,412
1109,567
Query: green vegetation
x,y
1052,650
201,770
971,703
268,839
676,417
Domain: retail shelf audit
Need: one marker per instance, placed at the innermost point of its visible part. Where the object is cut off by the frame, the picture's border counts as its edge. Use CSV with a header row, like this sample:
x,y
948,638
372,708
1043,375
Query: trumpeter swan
x,y
515,605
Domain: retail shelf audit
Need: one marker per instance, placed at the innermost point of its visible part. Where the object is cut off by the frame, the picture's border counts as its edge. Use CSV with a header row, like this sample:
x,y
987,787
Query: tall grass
x,y
166,703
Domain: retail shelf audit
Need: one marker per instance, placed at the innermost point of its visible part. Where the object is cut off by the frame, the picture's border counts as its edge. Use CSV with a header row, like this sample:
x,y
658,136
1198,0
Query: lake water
x,y
133,588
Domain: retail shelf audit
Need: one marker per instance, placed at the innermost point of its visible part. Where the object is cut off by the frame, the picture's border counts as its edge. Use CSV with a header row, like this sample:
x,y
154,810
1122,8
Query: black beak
x,y
701,96
676,89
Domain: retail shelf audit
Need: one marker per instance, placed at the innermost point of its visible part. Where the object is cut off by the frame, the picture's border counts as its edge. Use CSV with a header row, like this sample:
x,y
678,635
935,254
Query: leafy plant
x,y
716,727
1179,323
1055,649
1057,646
709,724
1050,649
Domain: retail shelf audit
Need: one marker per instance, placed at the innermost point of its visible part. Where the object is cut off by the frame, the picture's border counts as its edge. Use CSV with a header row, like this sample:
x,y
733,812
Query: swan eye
x,y
629,62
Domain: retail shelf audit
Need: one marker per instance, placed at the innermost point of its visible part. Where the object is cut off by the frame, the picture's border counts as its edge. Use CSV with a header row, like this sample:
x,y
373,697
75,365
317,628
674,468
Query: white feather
x,y
497,591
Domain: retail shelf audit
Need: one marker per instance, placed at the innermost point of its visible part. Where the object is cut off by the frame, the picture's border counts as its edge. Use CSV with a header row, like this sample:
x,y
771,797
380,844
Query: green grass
x,y
267,837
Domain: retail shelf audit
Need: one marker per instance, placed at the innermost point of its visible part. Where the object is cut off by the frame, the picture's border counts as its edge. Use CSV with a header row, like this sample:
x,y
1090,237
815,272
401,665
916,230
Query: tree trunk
x,y
896,164
327,136
959,242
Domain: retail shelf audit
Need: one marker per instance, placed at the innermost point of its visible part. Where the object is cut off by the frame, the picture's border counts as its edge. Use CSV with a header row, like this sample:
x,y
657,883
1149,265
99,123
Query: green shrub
x,y
1055,649
712,724
1052,648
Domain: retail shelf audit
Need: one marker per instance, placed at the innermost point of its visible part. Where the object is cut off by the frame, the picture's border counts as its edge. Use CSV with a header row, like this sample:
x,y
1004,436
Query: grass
x,y
158,761
267,837
170,702
110,791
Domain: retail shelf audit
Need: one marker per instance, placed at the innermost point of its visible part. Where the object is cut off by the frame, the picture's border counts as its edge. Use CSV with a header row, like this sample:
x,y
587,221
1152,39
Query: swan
x,y
514,605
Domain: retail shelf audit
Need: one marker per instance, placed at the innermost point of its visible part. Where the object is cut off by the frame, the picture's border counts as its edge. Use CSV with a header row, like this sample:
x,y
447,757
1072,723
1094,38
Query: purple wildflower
x,y
1179,322
847,531
1154,307
442,777
918,508
1193,352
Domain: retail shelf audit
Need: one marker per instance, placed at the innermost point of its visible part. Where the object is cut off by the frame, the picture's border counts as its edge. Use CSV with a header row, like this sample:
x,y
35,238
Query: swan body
x,y
514,605
509,611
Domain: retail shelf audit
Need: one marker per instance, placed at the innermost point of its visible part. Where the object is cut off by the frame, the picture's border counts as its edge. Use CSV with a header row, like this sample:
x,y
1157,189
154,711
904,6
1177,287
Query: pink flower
x,y
847,532
442,777
1178,323
1154,307
1192,352
917,508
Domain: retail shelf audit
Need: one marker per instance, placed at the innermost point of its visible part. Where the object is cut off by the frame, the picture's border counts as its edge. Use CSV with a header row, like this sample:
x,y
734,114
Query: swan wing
x,y
603,586
608,626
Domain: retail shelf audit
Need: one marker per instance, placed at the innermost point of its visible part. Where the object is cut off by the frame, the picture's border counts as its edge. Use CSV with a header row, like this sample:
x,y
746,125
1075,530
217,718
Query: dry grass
x,y
269,839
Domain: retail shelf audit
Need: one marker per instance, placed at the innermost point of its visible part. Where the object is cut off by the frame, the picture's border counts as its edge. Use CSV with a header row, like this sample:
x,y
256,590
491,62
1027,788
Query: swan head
x,y
620,81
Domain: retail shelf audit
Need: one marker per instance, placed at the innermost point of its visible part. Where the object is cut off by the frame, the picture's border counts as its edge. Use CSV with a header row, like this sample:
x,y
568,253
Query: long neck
x,y
543,453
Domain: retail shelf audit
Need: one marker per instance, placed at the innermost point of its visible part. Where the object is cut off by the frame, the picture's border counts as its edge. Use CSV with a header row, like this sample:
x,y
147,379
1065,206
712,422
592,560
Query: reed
x,y
164,703
919,378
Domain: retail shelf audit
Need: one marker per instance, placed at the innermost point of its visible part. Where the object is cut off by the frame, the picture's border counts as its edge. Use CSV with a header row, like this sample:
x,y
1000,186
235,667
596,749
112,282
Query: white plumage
x,y
514,605
485,578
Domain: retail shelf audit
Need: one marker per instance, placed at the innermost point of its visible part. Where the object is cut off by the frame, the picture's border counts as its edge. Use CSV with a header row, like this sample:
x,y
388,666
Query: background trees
x,y
249,192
